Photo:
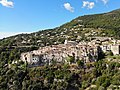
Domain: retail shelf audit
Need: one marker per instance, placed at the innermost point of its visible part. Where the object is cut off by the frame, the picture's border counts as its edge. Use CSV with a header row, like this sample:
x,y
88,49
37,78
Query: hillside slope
x,y
101,75
106,24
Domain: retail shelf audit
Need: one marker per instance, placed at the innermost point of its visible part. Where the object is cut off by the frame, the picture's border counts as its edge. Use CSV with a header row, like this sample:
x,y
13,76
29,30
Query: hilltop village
x,y
85,51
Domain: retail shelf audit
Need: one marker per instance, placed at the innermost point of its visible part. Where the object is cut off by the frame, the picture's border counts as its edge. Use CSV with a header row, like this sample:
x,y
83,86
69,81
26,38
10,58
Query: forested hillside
x,y
101,75
106,24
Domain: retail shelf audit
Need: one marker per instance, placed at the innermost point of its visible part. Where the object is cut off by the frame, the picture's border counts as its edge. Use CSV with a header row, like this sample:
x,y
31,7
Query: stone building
x,y
105,48
31,58
59,53
115,49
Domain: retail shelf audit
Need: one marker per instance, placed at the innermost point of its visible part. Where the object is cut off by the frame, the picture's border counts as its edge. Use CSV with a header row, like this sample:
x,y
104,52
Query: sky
x,y
26,16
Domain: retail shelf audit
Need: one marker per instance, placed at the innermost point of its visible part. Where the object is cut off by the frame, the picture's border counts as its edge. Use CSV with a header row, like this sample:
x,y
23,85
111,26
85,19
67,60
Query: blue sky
x,y
24,16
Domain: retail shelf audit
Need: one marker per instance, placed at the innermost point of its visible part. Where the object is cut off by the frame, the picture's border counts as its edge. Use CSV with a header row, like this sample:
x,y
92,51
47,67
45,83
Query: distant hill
x,y
106,24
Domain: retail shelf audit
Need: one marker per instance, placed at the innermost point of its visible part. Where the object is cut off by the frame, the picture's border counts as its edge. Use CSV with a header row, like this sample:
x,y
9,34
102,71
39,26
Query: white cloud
x,y
88,4
105,1
68,7
7,3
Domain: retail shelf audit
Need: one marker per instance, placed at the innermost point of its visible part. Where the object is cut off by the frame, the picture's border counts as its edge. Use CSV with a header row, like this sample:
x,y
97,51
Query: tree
x,y
70,59
80,63
85,84
38,86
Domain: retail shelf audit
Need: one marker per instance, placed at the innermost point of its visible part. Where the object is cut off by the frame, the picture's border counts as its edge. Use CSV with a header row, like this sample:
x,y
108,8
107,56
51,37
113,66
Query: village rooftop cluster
x,y
85,51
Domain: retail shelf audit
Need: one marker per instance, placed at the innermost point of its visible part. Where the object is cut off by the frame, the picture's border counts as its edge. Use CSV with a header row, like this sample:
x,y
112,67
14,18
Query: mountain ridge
x,y
105,24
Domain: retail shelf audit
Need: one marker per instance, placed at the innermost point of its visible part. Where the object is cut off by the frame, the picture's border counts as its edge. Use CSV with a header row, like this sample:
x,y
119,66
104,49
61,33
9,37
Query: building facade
x,y
59,53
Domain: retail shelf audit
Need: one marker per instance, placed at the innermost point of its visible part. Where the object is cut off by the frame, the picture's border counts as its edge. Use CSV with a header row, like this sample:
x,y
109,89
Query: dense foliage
x,y
16,75
100,75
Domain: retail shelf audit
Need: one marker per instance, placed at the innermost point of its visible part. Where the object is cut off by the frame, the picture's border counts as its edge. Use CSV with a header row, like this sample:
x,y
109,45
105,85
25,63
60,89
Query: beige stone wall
x,y
115,49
